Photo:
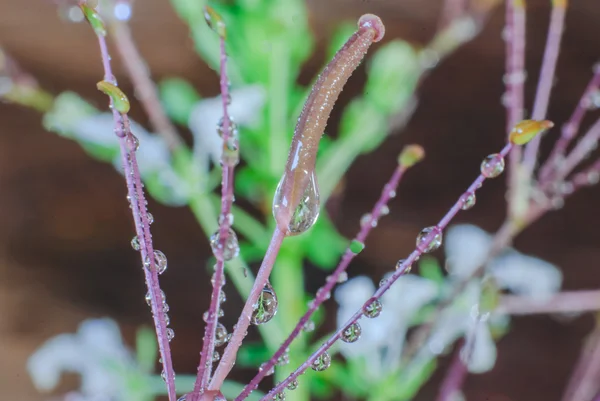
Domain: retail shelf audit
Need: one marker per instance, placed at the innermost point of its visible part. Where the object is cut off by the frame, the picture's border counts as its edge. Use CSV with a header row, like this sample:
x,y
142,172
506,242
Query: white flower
x,y
96,352
246,105
466,249
382,338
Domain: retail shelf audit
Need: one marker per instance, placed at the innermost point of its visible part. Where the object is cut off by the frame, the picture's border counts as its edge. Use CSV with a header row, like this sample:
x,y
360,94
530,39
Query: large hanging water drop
x,y
265,307
306,213
231,247
373,309
322,362
160,262
220,335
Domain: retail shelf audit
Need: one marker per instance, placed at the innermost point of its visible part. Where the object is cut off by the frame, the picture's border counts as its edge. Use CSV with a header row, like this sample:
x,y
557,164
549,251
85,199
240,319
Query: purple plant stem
x,y
562,302
208,344
587,177
515,79
235,342
583,383
140,76
323,292
570,129
546,80
455,377
413,257
142,227
452,10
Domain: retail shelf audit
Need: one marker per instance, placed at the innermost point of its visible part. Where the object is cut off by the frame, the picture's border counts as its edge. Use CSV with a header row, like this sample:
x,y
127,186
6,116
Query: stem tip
x,y
371,21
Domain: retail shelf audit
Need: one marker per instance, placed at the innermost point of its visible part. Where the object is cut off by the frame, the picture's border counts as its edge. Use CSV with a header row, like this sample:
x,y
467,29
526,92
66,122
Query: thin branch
x,y
546,81
146,90
583,384
208,347
128,146
562,302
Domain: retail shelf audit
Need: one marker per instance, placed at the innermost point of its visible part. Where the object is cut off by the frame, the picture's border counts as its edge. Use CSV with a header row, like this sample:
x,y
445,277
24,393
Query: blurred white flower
x,y
467,247
382,338
96,352
246,105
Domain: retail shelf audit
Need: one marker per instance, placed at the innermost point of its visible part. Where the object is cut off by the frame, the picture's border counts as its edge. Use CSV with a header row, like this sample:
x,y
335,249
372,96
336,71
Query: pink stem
x,y
413,257
583,384
142,228
562,302
140,76
323,292
240,331
514,80
587,177
452,10
546,81
570,129
208,347
455,377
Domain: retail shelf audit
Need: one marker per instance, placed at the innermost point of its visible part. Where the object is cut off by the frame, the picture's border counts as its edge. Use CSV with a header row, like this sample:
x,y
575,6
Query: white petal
x,y
526,275
466,247
59,354
483,356
408,295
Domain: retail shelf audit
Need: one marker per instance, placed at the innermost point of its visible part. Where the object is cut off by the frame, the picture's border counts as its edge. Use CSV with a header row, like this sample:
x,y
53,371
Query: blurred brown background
x,y
65,227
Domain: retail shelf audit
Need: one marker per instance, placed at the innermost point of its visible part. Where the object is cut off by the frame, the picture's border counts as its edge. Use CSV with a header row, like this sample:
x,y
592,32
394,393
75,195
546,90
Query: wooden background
x,y
65,228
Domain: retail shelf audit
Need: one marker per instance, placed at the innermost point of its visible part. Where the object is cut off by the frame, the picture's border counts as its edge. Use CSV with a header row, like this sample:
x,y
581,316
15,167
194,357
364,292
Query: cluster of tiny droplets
x,y
160,259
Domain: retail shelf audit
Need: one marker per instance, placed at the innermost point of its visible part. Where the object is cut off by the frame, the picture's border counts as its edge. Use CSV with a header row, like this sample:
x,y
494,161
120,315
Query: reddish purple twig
x,y
562,302
142,225
455,376
583,384
208,345
569,129
546,80
413,257
323,293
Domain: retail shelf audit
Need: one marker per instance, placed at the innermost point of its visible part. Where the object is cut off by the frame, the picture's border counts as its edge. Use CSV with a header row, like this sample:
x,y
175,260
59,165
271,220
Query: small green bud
x,y
119,99
490,295
94,19
356,247
411,155
215,21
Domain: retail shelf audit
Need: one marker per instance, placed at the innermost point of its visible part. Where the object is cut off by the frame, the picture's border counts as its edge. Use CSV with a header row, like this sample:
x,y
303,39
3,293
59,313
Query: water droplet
x,y
322,362
435,242
231,248
279,396
265,307
232,127
163,375
593,177
306,213
216,356
222,296
220,335
150,218
226,218
160,262
135,243
492,166
167,319
392,193
133,143
342,277
165,307
170,334
400,263
269,372
182,398
148,298
468,201
351,333
309,326
283,359
382,282
385,210
293,385
373,309
365,220
205,317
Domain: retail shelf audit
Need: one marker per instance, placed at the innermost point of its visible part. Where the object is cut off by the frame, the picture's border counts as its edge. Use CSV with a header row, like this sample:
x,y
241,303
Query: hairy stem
x,y
324,292
142,226
208,345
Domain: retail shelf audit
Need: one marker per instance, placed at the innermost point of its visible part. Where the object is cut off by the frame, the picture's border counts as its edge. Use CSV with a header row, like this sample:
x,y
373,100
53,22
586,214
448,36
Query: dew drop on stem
x,y
492,166
230,249
170,334
468,201
373,309
265,307
220,335
306,213
135,243
433,244
351,333
293,385
322,362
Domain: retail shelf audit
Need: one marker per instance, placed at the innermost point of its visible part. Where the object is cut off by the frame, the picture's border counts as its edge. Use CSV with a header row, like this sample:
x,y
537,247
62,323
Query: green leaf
x,y
324,232
146,349
231,389
178,98
430,269
252,355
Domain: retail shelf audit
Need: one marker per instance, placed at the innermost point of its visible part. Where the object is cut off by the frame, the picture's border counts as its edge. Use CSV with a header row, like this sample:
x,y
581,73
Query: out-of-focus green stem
x,y
279,87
